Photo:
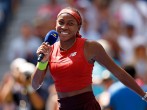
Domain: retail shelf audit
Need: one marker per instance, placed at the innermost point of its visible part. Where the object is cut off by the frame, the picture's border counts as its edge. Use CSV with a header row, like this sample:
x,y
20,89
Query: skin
x,y
67,27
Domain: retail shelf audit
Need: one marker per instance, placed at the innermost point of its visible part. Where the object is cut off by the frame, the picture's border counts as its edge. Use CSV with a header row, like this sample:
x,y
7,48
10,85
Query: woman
x,y
71,60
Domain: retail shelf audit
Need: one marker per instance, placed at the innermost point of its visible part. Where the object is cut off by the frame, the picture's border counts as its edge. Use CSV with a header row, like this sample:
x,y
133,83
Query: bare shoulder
x,y
92,43
92,49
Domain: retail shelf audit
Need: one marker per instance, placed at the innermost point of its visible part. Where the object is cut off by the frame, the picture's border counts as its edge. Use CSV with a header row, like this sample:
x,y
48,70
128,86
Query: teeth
x,y
64,33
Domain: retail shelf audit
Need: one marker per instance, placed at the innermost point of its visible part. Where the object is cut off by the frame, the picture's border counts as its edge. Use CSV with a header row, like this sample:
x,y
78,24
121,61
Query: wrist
x,y
42,65
145,96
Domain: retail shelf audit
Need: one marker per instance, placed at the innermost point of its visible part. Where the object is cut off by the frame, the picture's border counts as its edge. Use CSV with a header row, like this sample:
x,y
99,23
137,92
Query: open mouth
x,y
64,33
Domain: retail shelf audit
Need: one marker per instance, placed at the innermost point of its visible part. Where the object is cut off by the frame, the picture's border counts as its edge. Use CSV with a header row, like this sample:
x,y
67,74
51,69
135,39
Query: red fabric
x,y
73,13
70,70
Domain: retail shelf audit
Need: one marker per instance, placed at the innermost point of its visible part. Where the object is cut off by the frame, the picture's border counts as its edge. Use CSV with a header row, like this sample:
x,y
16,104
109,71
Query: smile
x,y
65,33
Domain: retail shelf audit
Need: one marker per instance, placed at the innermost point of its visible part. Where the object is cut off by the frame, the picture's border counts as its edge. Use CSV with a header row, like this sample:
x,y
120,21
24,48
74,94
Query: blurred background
x,y
119,25
13,13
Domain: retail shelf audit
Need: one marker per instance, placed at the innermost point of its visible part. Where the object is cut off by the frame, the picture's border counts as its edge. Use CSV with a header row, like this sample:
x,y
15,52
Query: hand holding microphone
x,y
44,50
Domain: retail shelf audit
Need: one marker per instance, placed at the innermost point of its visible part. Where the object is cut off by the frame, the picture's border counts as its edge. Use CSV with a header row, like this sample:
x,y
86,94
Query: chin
x,y
62,38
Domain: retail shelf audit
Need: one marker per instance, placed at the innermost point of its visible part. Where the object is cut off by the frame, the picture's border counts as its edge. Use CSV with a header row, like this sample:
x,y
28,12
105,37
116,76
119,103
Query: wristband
x,y
42,65
145,96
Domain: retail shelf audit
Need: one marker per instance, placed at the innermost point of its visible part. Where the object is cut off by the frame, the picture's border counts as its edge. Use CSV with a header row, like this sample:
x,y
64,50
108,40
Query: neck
x,y
66,46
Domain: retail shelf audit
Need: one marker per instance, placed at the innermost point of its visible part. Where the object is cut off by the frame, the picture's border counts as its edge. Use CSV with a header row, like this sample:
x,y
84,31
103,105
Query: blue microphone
x,y
51,37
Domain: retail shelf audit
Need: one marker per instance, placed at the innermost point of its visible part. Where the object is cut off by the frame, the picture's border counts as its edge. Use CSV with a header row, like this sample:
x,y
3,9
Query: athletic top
x,y
70,69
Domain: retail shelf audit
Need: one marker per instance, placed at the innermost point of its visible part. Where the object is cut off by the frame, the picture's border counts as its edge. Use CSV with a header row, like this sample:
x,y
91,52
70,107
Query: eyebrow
x,y
70,20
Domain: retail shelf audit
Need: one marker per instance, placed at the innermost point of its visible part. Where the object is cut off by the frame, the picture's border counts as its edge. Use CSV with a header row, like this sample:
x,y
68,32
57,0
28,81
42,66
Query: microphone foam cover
x,y
51,37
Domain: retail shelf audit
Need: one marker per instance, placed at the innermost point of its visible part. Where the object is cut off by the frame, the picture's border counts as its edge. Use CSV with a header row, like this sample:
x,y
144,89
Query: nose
x,y
65,26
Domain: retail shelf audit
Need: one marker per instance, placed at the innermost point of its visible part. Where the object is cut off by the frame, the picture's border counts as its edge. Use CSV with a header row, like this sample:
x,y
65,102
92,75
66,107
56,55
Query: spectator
x,y
104,97
122,98
52,103
46,18
127,42
16,91
25,45
140,61
130,12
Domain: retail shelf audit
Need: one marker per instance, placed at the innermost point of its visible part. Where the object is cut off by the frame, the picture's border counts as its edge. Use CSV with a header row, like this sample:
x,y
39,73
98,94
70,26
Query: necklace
x,y
63,49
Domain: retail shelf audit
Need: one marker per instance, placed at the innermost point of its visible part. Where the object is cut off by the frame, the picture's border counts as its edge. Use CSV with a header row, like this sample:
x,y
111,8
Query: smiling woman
x,y
68,25
71,60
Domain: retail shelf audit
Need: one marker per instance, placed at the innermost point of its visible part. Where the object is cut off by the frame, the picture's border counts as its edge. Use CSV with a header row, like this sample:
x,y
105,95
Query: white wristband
x,y
145,96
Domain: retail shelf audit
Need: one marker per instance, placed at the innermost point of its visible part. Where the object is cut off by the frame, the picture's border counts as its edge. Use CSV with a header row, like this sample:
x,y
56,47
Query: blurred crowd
x,y
119,25
7,10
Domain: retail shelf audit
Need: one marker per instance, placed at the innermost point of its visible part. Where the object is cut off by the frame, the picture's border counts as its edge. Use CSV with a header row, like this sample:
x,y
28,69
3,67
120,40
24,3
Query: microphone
x,y
51,37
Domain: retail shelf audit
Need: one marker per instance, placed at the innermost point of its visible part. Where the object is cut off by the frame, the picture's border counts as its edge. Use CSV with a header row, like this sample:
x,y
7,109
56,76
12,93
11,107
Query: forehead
x,y
66,16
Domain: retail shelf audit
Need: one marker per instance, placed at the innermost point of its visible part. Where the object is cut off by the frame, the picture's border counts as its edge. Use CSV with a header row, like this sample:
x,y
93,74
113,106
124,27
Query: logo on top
x,y
73,54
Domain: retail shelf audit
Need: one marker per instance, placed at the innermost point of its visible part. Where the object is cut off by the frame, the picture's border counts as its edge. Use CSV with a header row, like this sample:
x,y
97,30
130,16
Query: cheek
x,y
57,27
75,30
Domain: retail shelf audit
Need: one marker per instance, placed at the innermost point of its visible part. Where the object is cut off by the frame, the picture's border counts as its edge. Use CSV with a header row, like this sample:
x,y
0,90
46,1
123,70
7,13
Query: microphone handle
x,y
40,57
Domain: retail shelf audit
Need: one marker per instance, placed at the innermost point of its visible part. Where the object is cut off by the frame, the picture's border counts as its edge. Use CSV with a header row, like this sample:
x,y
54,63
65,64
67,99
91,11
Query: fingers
x,y
44,48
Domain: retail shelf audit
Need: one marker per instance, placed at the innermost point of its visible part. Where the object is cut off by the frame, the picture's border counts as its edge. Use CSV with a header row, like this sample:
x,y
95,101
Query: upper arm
x,y
95,51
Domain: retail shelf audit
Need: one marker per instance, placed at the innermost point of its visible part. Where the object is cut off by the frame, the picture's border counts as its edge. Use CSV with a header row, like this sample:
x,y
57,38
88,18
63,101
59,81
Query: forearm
x,y
6,89
37,78
124,77
42,66
121,74
127,80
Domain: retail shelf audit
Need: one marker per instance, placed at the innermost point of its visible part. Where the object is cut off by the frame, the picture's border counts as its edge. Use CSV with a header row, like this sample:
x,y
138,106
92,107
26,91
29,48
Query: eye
x,y
61,23
70,23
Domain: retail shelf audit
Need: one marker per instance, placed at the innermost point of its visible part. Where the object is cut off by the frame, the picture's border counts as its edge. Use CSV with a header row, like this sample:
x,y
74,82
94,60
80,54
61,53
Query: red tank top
x,y
70,69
